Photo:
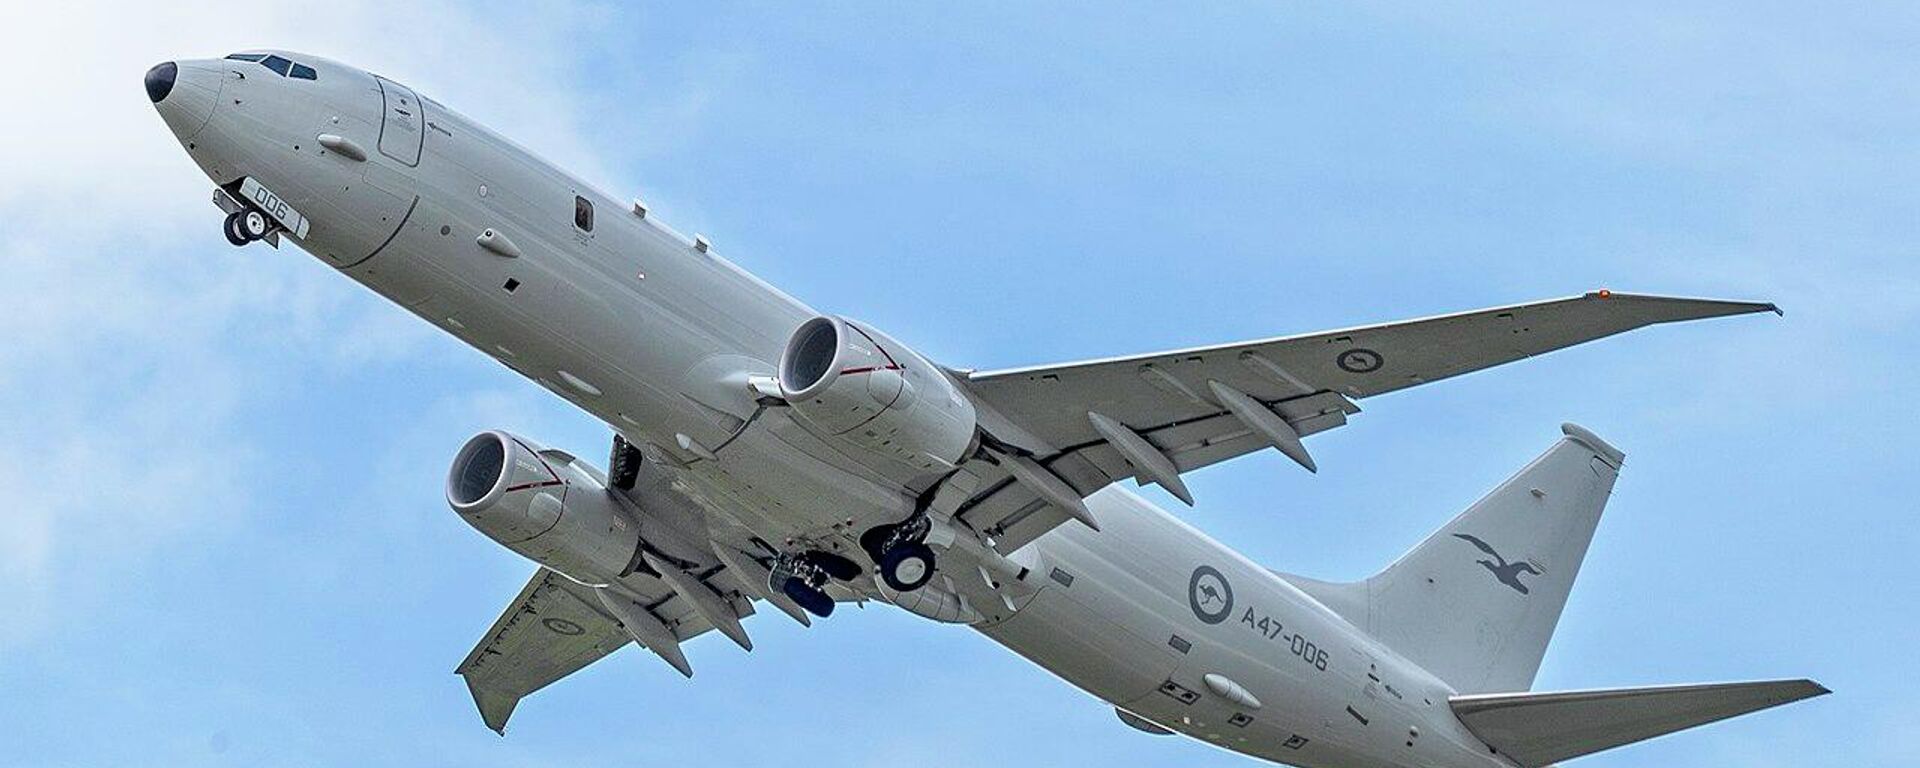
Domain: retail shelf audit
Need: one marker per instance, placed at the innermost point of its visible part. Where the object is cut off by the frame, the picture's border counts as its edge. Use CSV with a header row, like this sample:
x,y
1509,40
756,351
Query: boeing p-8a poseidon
x,y
766,454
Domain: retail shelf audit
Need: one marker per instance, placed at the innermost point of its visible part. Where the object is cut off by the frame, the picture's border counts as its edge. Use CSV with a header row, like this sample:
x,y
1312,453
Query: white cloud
x,y
87,128
125,368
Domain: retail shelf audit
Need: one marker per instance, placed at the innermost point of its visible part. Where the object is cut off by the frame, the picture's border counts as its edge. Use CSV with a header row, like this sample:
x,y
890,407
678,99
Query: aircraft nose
x,y
185,94
160,80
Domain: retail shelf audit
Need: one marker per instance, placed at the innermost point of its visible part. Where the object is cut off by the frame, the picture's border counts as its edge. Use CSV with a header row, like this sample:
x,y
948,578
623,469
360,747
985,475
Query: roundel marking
x,y
563,627
1209,594
1359,361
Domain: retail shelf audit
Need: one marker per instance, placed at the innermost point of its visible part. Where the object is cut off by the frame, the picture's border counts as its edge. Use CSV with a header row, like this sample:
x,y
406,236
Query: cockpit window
x,y
279,64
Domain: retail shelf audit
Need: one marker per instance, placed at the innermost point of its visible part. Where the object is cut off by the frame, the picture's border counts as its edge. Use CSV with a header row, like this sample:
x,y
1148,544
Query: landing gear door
x,y
402,123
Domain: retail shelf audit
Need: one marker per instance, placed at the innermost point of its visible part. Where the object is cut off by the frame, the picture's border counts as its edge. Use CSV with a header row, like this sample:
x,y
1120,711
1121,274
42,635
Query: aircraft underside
x,y
765,453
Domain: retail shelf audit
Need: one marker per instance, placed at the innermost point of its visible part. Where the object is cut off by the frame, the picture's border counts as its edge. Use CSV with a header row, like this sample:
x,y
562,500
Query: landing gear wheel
x,y
814,601
231,228
907,567
254,224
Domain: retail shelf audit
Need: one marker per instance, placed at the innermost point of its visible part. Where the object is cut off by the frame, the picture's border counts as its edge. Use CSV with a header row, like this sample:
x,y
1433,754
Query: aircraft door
x,y
402,123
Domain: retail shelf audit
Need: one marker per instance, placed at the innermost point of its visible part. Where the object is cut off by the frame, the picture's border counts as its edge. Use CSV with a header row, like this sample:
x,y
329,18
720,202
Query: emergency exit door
x,y
402,123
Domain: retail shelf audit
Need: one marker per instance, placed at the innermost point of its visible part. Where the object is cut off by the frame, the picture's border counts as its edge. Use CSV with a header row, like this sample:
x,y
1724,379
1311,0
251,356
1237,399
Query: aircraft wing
x,y
1167,413
551,630
557,626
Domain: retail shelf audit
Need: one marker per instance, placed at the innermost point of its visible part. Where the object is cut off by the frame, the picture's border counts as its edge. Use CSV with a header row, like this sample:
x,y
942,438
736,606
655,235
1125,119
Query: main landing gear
x,y
804,578
246,226
906,562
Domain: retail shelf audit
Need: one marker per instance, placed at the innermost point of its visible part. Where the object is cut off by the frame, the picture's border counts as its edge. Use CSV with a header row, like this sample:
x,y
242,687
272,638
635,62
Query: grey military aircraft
x,y
766,454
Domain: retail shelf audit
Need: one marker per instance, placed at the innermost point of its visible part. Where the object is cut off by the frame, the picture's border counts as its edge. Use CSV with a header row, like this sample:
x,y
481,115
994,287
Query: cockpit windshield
x,y
280,65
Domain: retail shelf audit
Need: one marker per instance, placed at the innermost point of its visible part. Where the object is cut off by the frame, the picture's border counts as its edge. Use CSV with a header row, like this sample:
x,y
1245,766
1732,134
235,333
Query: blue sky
x,y
227,544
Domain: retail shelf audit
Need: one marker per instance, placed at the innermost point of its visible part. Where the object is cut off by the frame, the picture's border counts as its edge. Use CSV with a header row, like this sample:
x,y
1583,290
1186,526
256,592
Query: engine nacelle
x,y
544,505
853,384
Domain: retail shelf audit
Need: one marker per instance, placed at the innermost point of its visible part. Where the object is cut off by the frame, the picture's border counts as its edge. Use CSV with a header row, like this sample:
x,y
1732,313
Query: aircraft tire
x,y
231,228
254,224
812,600
907,567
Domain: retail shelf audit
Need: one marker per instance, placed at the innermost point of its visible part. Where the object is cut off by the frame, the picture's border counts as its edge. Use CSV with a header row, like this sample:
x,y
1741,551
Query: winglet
x,y
495,707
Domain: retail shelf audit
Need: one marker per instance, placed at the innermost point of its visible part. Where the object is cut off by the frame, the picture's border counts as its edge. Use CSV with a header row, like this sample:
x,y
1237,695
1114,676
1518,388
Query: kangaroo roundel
x,y
563,627
1210,595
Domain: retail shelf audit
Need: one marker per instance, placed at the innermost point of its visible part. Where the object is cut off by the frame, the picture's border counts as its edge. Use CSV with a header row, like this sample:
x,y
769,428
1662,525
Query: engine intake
x,y
544,505
853,384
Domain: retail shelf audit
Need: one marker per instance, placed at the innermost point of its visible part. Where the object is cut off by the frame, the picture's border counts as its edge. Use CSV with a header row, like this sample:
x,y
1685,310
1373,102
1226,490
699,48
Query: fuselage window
x,y
303,72
277,64
582,213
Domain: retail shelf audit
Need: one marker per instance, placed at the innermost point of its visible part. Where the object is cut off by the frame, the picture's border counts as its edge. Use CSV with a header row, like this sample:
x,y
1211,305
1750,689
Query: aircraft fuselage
x,y
651,332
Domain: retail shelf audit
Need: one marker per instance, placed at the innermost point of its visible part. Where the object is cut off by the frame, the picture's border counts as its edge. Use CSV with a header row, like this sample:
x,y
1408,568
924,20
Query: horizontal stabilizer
x,y
1538,729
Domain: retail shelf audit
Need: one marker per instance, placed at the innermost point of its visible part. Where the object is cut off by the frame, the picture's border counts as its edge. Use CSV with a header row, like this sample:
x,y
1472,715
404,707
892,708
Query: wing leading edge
x,y
1193,407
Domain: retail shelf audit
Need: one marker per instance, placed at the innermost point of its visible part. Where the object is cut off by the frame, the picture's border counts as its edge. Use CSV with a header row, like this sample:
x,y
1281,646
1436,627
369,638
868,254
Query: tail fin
x,y
1537,729
1476,603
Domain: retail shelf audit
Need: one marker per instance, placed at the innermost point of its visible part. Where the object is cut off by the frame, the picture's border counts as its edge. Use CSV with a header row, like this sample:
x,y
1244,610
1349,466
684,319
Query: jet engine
x,y
545,505
850,383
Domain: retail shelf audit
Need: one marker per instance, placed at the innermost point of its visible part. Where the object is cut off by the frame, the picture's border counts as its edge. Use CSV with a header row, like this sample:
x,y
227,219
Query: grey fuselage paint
x,y
649,333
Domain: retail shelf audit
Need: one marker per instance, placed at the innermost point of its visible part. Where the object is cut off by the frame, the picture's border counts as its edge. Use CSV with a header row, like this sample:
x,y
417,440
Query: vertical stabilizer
x,y
1476,602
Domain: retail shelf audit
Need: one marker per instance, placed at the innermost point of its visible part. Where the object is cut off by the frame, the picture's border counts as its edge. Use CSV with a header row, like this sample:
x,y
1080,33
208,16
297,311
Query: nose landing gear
x,y
246,226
